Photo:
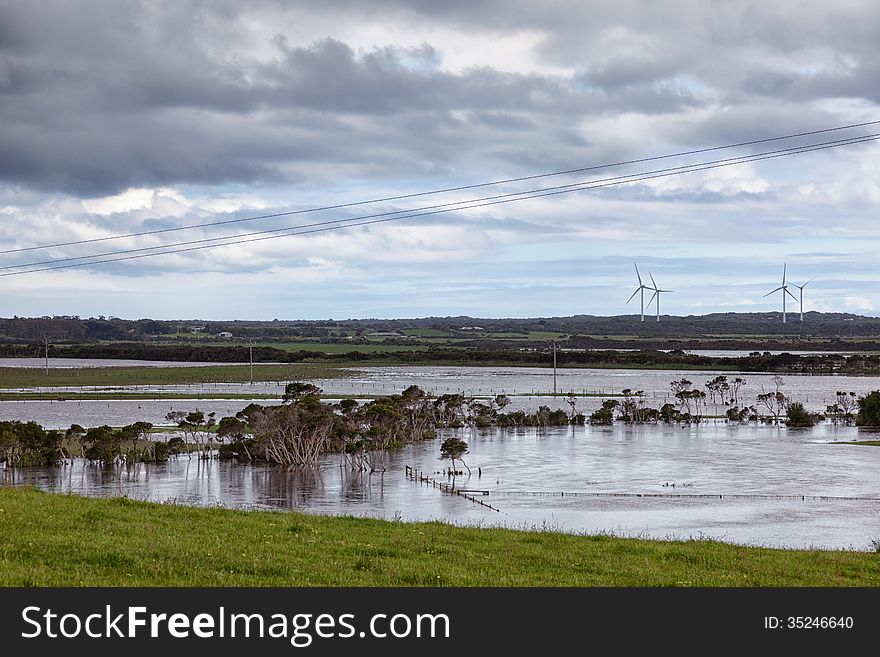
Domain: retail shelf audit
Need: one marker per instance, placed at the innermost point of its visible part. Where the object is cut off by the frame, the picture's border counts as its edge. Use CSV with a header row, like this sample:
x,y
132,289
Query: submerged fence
x,y
414,475
716,496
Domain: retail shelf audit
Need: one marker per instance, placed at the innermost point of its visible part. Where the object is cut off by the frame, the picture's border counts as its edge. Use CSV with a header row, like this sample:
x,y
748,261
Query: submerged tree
x,y
774,401
454,449
196,428
735,387
718,388
605,413
869,410
27,443
797,416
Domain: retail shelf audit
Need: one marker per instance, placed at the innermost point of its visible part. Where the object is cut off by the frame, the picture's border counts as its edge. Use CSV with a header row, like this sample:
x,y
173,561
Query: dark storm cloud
x,y
96,97
92,106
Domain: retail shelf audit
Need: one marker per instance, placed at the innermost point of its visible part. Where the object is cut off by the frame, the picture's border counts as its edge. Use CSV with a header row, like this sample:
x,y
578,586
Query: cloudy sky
x,y
130,116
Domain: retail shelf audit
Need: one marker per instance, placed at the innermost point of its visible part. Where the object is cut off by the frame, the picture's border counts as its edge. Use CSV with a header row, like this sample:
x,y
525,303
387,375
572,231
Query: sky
x,y
131,116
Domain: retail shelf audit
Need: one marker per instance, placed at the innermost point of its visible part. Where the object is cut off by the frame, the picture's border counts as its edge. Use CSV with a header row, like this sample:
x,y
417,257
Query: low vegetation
x,y
459,351
869,410
63,540
20,377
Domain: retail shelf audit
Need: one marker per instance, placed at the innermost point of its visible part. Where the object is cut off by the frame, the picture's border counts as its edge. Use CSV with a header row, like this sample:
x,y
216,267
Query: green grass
x,y
63,540
328,348
427,333
125,395
22,377
155,395
869,443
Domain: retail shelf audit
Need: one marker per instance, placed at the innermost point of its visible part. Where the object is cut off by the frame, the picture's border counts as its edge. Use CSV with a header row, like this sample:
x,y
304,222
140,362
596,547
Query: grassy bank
x,y
48,539
21,377
123,396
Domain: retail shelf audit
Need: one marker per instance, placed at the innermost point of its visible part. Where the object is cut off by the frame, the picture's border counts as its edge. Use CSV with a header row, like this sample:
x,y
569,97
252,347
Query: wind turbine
x,y
641,288
785,290
801,288
657,292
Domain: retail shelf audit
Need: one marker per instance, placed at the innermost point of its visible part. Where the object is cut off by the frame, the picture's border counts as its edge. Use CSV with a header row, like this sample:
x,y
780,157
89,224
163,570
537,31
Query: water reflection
x,y
751,484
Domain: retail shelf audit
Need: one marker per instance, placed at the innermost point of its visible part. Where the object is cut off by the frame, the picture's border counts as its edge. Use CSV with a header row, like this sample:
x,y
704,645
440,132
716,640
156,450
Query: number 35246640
x,y
808,622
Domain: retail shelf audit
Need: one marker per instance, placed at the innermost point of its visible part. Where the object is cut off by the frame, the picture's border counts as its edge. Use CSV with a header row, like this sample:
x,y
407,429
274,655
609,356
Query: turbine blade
x,y
807,283
638,275
784,264
656,294
652,280
633,294
790,294
771,292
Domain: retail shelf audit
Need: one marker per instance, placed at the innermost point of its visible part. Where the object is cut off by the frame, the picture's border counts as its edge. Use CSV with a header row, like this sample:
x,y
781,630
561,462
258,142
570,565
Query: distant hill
x,y
75,329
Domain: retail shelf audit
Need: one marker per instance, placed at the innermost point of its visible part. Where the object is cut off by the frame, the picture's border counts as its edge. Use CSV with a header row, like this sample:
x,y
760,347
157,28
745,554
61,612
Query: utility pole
x,y
46,339
554,367
252,362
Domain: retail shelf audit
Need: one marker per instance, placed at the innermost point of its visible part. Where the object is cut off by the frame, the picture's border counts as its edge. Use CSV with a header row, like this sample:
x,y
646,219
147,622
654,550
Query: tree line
x,y
541,357
771,405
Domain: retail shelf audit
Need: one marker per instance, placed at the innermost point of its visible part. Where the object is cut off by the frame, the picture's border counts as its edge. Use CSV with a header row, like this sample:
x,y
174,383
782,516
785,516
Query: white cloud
x,y
860,304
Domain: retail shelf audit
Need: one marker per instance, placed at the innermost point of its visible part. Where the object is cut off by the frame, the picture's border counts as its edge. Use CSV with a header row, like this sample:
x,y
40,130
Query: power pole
x,y
46,338
554,367
252,362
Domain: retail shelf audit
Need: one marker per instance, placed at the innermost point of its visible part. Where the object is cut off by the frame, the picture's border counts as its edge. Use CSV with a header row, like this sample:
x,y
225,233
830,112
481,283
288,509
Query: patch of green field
x,y
65,540
123,395
21,377
427,333
869,443
328,348
546,335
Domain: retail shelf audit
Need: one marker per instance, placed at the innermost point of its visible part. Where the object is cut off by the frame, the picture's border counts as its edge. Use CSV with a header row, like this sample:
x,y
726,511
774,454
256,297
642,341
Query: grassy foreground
x,y
49,539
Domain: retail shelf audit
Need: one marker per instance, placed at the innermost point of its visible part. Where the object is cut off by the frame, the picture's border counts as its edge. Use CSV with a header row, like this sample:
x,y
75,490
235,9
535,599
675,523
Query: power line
x,y
472,204
386,199
450,206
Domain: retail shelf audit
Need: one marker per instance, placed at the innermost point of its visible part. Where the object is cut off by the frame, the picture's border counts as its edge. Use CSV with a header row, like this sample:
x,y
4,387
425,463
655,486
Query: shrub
x,y
797,416
869,410
602,416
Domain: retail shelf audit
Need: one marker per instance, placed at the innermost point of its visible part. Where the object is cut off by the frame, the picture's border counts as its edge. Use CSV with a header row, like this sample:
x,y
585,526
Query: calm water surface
x,y
764,483
528,385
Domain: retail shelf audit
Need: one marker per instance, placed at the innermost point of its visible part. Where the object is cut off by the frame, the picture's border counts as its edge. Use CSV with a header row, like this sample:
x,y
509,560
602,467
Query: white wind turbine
x,y
657,292
641,288
801,288
785,290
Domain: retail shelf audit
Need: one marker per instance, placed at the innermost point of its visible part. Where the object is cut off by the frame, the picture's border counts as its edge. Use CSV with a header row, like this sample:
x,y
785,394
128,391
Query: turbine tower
x,y
801,288
785,290
640,289
657,292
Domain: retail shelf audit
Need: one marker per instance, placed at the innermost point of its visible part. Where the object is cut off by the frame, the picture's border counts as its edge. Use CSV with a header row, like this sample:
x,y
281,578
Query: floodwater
x,y
746,484
529,388
751,484
115,413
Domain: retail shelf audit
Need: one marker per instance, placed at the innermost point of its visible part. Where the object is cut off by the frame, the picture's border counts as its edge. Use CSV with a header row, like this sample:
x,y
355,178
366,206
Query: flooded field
x,y
529,387
754,485
747,484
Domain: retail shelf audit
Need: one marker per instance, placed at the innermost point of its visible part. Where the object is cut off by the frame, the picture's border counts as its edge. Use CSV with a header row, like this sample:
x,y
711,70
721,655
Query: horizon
x,y
649,319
